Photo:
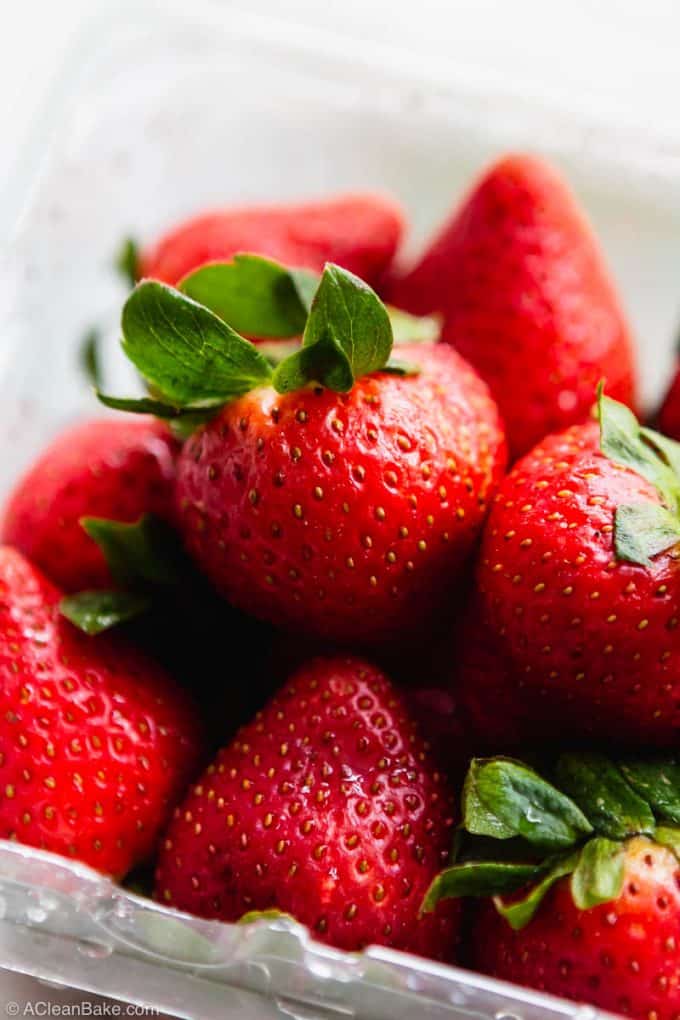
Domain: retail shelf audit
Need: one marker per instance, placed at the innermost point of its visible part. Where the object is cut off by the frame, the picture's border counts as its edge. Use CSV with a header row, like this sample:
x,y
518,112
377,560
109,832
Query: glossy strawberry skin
x,y
325,807
622,956
594,638
345,516
527,299
119,468
96,744
358,232
668,420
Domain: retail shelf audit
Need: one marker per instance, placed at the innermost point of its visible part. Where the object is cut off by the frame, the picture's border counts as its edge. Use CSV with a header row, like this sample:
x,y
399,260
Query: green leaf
x,y
612,807
519,912
658,781
139,405
146,554
127,261
89,357
253,294
97,611
414,329
669,836
184,420
622,441
325,362
348,335
598,876
478,878
397,366
668,449
643,530
503,798
185,352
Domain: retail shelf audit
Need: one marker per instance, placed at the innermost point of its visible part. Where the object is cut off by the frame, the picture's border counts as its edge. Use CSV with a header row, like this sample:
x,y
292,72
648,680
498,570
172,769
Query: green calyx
x,y
642,530
188,347
148,565
521,833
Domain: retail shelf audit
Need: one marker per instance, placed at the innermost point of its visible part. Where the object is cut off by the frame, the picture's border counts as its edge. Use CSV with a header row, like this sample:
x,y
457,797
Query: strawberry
x,y
587,904
579,586
527,299
96,743
668,418
324,807
347,516
359,232
621,956
114,468
341,493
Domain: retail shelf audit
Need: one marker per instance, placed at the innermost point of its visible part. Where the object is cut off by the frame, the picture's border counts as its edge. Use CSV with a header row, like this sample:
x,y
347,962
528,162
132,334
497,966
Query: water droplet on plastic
x,y
3,907
503,1015
36,915
531,816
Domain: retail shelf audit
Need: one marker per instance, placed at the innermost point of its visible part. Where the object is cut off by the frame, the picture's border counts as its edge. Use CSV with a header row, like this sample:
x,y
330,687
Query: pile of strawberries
x,y
376,607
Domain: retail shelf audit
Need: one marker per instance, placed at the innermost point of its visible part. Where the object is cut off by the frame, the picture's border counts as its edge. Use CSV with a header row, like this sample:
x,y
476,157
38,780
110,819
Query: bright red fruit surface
x,y
119,468
345,515
325,807
595,638
96,743
358,232
527,299
622,956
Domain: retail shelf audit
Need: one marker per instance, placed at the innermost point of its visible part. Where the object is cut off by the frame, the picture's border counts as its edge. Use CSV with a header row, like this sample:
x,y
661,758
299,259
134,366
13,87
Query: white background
x,y
564,50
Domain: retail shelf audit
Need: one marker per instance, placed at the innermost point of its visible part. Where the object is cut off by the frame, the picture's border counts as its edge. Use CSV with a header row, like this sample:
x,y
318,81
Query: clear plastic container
x,y
159,116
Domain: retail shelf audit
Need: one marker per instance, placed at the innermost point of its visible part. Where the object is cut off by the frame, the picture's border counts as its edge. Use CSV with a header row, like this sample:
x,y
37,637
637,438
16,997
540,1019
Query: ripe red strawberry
x,y
579,584
668,419
118,468
359,232
622,956
324,807
345,515
527,299
584,874
96,743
